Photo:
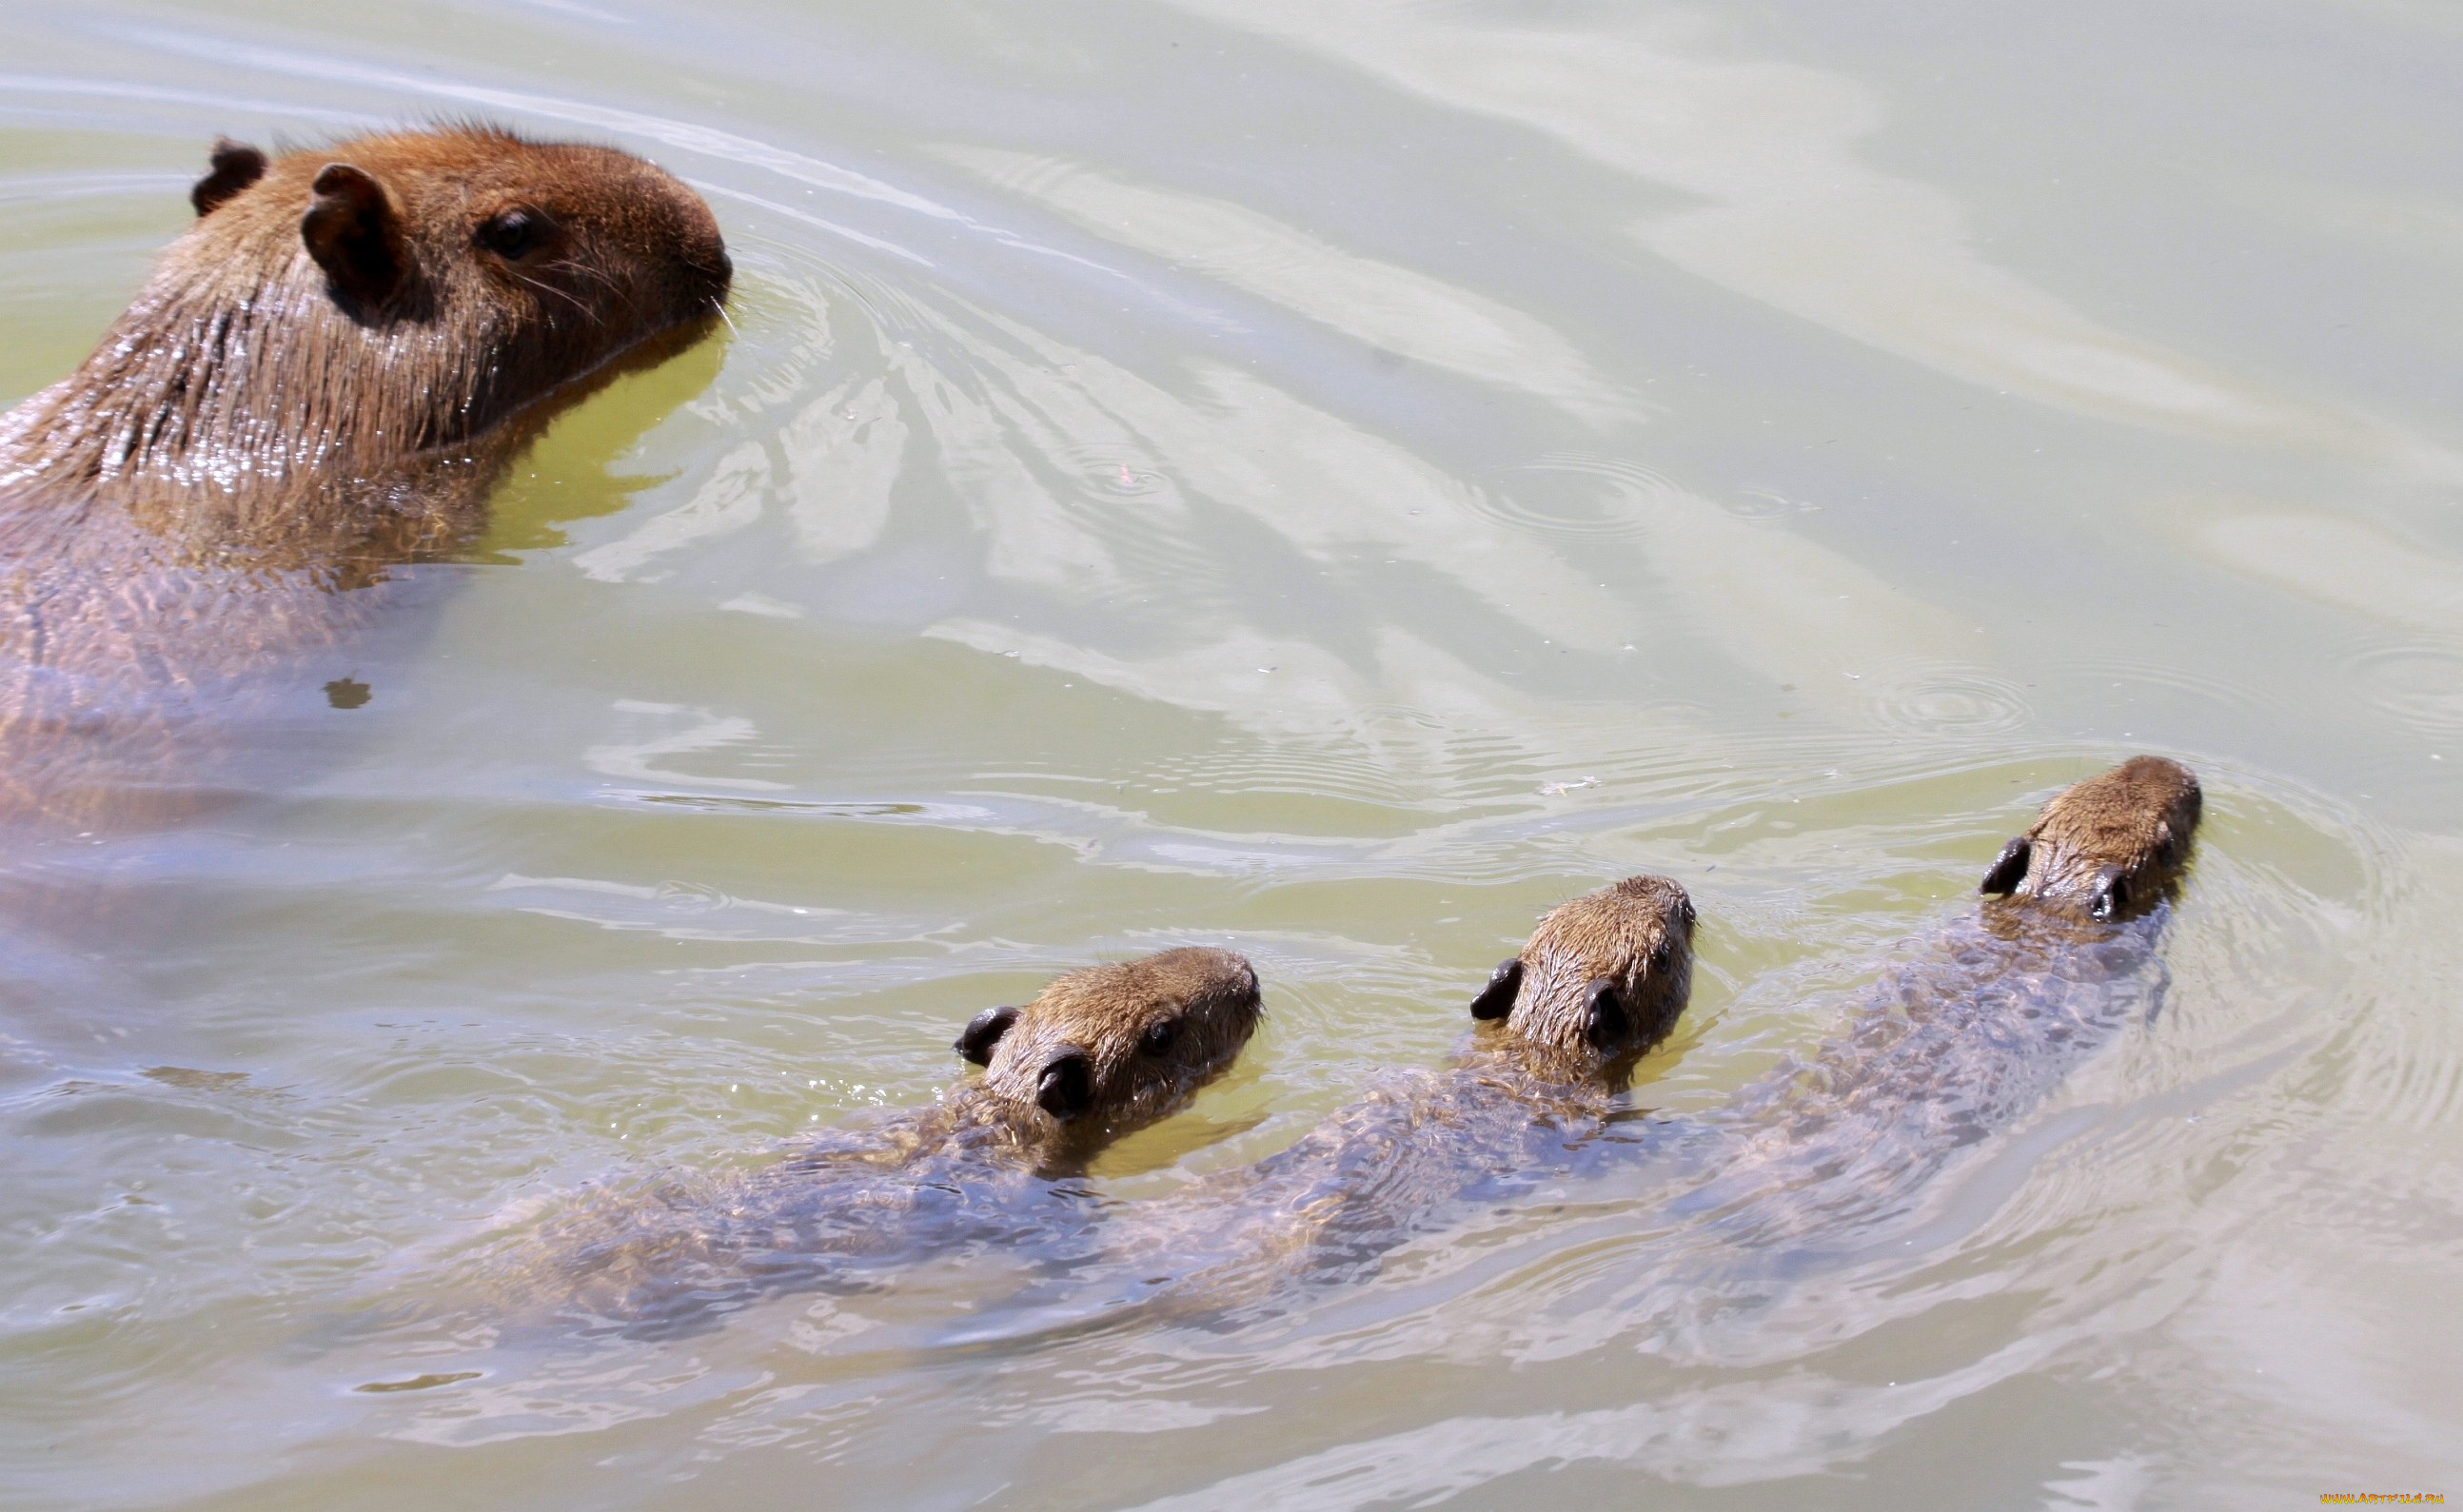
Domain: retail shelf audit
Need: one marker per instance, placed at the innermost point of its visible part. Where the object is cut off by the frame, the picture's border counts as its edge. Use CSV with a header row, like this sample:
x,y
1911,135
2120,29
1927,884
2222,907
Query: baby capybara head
x,y
1116,1047
1602,977
341,307
2109,846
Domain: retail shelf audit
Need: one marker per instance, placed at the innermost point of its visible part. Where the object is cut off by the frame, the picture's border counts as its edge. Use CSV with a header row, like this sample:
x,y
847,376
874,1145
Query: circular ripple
x,y
1620,510
1946,701
2420,686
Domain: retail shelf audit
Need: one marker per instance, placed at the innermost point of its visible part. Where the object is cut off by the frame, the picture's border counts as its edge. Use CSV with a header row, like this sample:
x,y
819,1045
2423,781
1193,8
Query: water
x,y
1330,480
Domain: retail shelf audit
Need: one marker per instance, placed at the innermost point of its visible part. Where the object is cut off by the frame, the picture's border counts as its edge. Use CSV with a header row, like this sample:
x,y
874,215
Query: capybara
x,y
1099,1053
322,380
1973,1027
1602,979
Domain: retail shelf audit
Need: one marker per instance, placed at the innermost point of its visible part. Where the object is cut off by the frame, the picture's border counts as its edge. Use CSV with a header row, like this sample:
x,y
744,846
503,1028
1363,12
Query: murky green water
x,y
1329,479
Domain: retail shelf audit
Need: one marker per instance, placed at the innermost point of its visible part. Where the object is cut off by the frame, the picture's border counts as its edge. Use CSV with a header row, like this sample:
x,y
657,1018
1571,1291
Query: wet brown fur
x,y
1149,1032
2110,846
257,434
1601,979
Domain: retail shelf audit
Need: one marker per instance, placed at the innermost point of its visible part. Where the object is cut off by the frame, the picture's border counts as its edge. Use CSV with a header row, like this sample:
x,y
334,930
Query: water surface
x,y
1329,480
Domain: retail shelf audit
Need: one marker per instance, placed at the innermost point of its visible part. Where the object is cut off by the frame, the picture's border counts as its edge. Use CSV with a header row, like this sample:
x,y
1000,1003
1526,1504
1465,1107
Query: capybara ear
x,y
1066,1087
2009,870
1604,1021
2111,896
984,1031
235,166
353,232
1496,1000
2171,847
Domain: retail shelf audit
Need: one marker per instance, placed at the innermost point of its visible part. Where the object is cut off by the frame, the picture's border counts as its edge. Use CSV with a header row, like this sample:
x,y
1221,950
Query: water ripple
x,y
2419,685
1962,701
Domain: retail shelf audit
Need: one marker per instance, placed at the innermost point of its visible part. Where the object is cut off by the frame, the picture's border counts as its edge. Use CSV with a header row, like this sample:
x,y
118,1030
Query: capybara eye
x,y
1159,1037
515,234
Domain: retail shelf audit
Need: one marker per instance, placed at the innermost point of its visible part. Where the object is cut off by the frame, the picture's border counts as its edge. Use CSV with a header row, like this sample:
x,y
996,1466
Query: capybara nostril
x,y
1066,1088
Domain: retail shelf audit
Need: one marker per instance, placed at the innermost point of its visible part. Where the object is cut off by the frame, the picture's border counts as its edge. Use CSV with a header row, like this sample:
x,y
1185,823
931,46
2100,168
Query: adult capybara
x,y
323,378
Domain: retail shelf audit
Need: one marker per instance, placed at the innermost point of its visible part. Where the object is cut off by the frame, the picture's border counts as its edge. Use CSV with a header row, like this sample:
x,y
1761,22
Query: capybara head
x,y
2110,845
347,306
1602,977
1116,1047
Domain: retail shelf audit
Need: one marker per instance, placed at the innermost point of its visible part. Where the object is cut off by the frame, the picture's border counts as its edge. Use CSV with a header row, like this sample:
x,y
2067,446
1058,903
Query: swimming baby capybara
x,y
1973,1025
323,377
1602,979
1098,1055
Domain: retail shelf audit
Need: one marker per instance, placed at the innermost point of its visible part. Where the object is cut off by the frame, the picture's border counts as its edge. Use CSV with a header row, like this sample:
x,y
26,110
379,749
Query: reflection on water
x,y
1331,480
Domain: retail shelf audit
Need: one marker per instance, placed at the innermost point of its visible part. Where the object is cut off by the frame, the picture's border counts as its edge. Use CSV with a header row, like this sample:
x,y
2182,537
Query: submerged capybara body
x,y
1098,1055
323,377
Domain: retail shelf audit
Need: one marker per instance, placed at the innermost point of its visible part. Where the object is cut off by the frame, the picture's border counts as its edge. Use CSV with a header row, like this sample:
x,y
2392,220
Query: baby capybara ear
x,y
1066,1088
235,165
983,1033
1603,1017
355,234
1496,1000
2009,868
2111,896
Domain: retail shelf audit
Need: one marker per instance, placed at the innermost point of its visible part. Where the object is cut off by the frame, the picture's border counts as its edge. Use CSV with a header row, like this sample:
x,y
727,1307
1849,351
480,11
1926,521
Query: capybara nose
x,y
1067,1087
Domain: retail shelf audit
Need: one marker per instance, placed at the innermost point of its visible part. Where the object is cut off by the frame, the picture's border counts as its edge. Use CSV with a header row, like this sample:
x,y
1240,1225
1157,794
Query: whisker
x,y
551,289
